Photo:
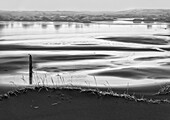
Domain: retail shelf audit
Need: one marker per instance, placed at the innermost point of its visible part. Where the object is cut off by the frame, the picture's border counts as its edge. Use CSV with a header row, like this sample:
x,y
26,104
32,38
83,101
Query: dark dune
x,y
75,48
137,73
63,104
72,68
151,58
139,40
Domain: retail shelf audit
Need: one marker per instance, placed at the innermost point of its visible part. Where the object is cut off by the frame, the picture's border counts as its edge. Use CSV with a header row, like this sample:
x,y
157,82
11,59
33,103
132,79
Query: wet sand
x,y
11,64
139,40
137,73
126,58
152,58
75,48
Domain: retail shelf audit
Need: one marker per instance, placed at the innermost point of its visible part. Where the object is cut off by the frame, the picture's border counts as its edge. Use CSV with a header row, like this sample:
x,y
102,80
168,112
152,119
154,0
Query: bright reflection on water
x,y
72,53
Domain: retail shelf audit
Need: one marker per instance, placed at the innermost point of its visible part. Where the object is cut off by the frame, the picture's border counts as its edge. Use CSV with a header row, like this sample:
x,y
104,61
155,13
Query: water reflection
x,y
7,25
148,21
27,25
87,24
149,26
2,26
70,24
77,26
12,25
137,21
44,26
168,26
57,26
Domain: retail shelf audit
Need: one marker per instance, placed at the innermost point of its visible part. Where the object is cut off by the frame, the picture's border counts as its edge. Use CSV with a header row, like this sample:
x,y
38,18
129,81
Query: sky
x,y
82,5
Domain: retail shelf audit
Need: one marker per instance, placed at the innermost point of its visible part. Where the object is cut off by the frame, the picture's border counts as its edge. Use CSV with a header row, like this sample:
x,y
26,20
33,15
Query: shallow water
x,y
92,54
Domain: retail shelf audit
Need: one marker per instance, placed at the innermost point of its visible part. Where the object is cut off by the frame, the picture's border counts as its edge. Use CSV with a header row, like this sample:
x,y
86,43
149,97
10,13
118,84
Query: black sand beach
x,y
66,103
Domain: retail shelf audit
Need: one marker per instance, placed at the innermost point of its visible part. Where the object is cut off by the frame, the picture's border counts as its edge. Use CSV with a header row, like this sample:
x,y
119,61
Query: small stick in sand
x,y
30,69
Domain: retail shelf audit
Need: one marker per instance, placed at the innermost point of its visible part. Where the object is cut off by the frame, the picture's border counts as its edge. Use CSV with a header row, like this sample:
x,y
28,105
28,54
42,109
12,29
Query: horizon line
x,y
83,10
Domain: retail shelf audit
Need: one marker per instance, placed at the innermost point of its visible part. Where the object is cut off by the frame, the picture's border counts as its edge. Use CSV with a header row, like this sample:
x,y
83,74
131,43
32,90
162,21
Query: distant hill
x,y
83,16
144,12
